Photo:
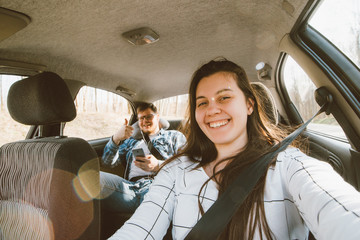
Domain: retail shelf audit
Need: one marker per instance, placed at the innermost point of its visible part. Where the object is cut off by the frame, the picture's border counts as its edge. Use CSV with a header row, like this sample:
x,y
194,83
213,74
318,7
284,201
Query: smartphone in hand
x,y
138,152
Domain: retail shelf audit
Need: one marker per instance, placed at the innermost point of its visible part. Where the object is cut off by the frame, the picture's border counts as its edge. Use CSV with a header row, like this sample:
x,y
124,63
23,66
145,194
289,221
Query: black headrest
x,y
41,99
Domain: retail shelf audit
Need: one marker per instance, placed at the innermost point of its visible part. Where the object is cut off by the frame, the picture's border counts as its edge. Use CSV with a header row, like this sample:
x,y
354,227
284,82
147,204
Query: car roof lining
x,y
108,61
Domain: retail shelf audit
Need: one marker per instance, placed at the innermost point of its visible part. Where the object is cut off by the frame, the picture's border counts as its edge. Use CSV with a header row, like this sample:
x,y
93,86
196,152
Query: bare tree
x,y
107,101
355,28
114,103
176,106
1,95
95,100
84,98
128,108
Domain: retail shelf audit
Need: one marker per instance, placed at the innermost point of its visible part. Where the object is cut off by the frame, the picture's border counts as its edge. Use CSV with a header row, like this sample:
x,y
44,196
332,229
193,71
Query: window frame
x,y
339,69
343,73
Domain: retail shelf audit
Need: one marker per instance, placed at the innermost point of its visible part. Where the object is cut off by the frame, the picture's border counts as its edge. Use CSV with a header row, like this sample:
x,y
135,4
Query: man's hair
x,y
142,106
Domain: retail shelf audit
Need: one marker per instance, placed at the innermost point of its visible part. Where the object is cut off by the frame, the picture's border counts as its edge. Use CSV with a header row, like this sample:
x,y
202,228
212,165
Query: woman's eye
x,y
223,98
201,104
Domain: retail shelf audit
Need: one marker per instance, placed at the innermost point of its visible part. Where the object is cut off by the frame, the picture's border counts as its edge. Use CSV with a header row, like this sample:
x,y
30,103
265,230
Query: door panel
x,y
338,154
99,145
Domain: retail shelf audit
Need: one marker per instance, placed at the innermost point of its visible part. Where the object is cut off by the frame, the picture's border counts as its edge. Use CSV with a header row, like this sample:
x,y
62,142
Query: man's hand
x,y
124,132
148,163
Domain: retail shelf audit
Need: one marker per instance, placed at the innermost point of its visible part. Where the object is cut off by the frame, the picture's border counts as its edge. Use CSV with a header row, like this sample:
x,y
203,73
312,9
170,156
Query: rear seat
x,y
112,221
175,124
266,102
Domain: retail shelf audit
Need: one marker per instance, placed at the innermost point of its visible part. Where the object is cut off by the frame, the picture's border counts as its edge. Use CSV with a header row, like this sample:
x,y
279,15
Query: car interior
x,y
56,55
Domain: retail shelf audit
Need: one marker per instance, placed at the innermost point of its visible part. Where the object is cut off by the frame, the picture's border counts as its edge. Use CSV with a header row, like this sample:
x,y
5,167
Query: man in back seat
x,y
125,194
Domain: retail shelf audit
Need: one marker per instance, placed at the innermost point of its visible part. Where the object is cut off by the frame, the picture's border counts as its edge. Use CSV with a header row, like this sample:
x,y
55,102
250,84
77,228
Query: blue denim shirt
x,y
167,142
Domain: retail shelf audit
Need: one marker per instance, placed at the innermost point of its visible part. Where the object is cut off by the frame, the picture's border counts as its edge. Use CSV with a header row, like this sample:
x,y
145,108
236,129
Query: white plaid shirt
x,y
301,193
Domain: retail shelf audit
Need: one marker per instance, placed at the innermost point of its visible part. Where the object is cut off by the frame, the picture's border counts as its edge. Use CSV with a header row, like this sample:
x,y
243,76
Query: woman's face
x,y
222,109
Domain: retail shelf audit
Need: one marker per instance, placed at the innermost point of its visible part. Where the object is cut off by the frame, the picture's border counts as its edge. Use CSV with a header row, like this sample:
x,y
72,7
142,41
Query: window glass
x,y
339,22
11,130
172,107
99,114
301,91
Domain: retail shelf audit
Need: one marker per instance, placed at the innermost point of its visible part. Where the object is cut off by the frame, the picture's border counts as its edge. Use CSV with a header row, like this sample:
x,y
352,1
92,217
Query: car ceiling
x,y
81,40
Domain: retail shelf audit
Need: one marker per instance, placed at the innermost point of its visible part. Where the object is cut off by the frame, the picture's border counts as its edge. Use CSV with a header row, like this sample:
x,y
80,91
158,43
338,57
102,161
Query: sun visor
x,y
11,22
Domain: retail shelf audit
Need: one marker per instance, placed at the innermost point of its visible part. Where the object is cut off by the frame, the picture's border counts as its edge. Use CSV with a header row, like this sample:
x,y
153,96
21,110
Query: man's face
x,y
148,121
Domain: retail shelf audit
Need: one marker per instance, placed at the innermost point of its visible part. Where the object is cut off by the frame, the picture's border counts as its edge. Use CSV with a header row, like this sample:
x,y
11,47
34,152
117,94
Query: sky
x,y
337,20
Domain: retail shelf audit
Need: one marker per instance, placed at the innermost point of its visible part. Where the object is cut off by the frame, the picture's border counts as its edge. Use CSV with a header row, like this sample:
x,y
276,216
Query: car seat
x,y
48,185
266,102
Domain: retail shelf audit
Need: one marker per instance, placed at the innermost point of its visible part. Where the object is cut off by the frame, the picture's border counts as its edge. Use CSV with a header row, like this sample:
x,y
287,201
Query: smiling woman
x,y
226,136
293,47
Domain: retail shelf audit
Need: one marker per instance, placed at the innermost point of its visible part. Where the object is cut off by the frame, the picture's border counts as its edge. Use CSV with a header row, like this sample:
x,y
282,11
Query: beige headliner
x,y
81,39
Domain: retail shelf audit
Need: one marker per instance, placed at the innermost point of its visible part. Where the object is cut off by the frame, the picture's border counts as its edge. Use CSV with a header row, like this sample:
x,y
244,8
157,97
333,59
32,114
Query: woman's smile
x,y
218,124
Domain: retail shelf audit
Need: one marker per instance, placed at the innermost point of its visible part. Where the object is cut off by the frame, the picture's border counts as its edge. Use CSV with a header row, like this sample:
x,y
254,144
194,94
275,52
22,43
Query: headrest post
x,y
62,125
40,131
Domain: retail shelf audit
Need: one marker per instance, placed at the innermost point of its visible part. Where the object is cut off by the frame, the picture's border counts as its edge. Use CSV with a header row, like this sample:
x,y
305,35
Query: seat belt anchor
x,y
324,98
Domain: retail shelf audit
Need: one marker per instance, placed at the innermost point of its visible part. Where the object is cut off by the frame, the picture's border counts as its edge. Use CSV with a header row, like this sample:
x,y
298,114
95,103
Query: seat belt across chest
x,y
214,221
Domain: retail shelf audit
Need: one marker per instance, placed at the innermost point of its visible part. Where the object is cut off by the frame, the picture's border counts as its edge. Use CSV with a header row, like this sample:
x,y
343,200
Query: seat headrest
x,y
266,102
41,99
163,123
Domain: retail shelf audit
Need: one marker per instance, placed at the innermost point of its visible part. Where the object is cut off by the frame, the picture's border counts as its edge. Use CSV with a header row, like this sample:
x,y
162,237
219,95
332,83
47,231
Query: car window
x,y
301,92
339,22
99,114
11,130
173,107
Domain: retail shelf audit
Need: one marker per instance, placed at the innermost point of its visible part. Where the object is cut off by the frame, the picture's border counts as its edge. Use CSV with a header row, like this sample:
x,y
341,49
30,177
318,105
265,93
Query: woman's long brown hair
x,y
250,217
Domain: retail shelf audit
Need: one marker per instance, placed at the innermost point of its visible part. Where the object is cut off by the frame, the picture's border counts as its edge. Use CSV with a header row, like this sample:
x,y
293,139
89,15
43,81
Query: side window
x,y
339,22
99,114
173,107
10,129
301,91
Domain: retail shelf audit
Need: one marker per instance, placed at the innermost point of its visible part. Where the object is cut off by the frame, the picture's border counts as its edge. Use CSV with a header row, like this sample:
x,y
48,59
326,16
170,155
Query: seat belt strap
x,y
214,221
151,147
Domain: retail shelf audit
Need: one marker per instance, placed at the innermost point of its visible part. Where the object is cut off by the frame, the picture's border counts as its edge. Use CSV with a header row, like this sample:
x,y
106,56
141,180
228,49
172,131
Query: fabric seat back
x,y
48,185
